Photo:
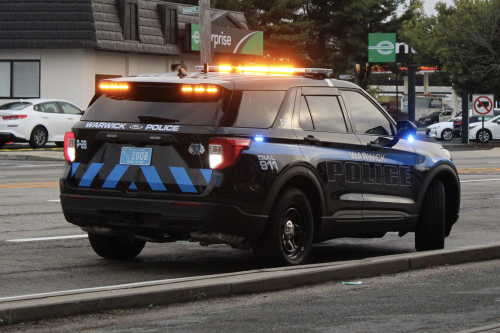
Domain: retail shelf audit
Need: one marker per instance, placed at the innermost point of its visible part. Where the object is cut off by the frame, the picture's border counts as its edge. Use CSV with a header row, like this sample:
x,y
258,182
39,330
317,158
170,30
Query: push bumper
x,y
160,217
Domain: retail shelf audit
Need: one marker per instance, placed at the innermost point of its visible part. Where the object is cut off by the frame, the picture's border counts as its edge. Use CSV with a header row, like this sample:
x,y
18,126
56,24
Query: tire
x,y
288,236
115,248
38,137
2,143
486,138
59,144
430,231
447,134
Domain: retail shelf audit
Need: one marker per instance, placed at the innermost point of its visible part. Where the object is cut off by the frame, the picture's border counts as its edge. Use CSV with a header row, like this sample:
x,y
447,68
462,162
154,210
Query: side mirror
x,y
406,129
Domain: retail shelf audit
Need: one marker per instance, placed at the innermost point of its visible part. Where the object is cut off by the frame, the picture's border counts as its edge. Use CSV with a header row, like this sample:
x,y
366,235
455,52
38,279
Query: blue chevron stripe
x,y
183,180
153,178
115,176
207,173
74,167
89,176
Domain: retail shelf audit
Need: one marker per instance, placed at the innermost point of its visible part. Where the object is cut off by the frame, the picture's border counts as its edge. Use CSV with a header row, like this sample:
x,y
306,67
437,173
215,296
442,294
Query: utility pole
x,y
411,91
205,33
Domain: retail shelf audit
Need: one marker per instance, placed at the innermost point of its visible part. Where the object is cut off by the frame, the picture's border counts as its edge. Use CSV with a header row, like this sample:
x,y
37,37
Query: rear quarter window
x,y
258,109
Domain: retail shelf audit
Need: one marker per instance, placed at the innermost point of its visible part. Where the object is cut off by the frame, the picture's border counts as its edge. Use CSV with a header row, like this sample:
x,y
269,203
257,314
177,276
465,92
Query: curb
x,y
30,158
74,302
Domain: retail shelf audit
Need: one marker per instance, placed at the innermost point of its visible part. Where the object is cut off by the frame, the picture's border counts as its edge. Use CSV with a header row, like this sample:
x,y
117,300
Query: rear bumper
x,y
160,217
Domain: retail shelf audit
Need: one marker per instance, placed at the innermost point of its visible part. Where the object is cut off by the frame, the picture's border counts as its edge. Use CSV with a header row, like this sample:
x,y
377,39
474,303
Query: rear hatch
x,y
148,138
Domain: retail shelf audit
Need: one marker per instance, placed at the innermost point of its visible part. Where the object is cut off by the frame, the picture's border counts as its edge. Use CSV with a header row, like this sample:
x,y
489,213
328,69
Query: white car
x,y
491,130
442,130
37,121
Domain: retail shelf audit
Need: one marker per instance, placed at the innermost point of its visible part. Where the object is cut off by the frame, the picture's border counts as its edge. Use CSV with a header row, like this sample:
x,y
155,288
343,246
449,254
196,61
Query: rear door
x,y
54,120
149,141
327,141
73,114
388,163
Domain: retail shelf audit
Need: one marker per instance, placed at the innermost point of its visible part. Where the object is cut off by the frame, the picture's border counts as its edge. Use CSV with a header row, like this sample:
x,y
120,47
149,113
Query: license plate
x,y
136,156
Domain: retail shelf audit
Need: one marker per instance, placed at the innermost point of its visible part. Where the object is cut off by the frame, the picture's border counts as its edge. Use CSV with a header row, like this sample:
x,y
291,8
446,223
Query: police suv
x,y
269,159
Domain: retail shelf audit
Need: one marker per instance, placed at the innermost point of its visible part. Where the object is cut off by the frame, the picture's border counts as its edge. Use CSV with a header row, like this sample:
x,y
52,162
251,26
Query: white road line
x,y
58,200
480,180
118,286
45,238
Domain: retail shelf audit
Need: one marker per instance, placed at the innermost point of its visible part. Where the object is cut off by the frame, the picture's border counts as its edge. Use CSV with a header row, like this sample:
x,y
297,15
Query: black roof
x,y
239,81
93,24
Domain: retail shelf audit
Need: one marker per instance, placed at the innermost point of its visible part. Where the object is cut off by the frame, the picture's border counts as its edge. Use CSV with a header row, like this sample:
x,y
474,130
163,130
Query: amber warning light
x,y
199,89
113,86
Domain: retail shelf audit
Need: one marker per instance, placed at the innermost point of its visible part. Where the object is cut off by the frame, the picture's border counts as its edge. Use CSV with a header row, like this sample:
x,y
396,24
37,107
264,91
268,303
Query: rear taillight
x,y
69,146
15,117
225,151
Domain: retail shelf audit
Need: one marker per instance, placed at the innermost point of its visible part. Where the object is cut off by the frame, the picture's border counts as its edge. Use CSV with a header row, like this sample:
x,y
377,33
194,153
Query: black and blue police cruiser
x,y
274,161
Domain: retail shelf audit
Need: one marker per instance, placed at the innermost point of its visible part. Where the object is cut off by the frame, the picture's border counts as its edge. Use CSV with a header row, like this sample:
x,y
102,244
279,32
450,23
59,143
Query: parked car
x,y
37,121
491,130
441,131
457,131
435,117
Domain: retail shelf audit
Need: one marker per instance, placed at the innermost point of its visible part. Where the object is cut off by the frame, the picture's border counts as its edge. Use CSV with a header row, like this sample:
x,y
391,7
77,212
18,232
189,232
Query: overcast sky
x,y
429,5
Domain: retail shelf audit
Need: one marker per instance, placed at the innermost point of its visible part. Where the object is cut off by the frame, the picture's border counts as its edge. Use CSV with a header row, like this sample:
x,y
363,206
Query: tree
x,y
463,41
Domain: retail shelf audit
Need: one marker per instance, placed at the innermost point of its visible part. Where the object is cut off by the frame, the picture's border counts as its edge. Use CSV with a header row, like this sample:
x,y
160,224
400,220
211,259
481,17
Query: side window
x,y
259,108
305,116
50,107
69,109
326,114
367,118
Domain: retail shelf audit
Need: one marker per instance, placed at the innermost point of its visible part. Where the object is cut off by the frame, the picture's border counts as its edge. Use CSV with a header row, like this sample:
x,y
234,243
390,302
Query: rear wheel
x,y
288,236
483,136
116,248
447,134
2,143
430,232
38,137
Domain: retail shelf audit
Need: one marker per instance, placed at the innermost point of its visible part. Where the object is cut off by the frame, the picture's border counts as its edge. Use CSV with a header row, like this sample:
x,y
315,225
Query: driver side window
x,y
366,117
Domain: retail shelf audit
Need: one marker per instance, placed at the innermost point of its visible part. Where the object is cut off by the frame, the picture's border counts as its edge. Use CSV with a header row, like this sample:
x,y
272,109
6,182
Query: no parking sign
x,y
482,105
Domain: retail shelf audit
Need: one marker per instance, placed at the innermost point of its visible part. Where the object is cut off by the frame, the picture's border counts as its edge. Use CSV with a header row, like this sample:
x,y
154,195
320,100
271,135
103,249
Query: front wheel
x,y
287,239
430,231
38,137
115,248
59,144
483,136
447,134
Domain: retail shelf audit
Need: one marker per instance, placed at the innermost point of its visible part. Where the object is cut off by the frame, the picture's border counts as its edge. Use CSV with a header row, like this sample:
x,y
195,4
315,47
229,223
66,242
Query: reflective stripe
x,y
153,178
183,180
89,176
115,176
330,84
132,186
74,167
207,173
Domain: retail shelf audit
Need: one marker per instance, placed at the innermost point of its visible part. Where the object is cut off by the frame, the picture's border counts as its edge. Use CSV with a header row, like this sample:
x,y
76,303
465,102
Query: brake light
x,y
15,117
69,146
225,151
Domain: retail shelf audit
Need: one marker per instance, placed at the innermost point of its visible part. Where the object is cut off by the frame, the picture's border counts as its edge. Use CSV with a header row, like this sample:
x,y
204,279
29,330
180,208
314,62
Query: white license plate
x,y
136,156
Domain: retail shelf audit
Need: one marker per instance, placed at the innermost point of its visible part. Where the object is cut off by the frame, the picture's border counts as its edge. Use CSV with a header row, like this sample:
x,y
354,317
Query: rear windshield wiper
x,y
156,120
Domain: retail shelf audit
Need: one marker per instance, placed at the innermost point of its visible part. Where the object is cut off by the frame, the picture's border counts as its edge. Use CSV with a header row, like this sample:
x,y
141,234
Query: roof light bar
x,y
267,70
113,85
199,89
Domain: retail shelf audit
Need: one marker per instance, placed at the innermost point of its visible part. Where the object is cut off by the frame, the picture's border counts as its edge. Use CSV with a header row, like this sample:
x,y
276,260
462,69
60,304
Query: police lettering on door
x,y
375,173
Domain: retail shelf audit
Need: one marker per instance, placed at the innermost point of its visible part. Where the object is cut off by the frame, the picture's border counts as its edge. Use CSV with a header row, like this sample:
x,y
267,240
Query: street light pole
x,y
205,33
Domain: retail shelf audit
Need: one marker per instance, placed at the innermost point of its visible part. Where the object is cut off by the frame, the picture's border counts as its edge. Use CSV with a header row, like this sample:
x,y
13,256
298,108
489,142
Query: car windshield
x,y
15,106
494,118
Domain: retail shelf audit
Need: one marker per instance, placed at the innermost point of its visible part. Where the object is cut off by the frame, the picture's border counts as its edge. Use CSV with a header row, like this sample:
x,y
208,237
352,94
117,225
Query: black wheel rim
x,y
292,231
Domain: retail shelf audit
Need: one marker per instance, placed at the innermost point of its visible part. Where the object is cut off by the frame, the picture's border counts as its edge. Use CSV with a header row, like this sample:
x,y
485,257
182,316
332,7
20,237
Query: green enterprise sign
x,y
382,47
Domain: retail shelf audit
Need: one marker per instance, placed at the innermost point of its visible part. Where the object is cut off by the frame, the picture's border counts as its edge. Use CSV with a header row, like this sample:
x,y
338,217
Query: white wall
x,y
69,74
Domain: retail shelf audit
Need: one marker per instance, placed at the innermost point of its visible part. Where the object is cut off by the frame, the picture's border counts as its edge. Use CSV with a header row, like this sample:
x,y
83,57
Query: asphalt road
x,y
436,299
30,209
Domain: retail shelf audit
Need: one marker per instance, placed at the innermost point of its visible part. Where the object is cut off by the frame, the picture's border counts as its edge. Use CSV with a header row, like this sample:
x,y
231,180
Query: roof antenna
x,y
205,68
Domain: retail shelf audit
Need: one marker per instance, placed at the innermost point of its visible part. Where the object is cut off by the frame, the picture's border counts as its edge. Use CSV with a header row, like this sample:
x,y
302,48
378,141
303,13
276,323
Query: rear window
x,y
160,104
258,109
15,106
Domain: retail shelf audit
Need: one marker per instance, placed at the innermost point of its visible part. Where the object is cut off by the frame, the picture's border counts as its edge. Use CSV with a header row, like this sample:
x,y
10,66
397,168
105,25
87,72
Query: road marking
x,y
57,200
27,185
479,180
477,170
45,238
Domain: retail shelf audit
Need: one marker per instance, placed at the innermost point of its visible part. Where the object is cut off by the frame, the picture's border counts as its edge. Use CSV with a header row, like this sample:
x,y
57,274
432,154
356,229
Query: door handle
x,y
312,140
71,118
45,117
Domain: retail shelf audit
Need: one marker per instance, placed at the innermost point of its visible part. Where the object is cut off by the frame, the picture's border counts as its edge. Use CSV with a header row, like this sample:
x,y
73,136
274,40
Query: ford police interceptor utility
x,y
269,159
